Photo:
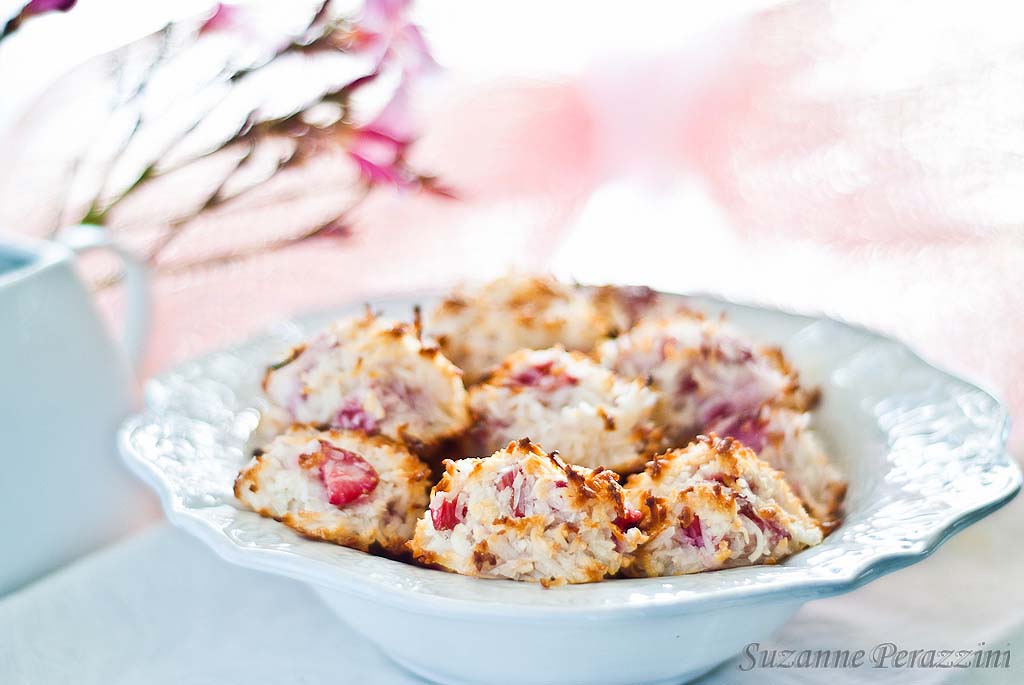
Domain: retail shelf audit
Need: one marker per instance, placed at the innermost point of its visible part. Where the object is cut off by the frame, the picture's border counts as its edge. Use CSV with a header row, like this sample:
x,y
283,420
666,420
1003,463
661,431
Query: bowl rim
x,y
415,595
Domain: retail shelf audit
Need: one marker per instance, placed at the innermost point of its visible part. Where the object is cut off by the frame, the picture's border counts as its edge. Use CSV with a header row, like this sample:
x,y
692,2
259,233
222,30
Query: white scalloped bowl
x,y
924,452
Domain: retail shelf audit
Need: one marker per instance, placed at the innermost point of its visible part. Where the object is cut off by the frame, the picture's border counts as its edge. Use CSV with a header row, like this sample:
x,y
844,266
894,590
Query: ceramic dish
x,y
924,453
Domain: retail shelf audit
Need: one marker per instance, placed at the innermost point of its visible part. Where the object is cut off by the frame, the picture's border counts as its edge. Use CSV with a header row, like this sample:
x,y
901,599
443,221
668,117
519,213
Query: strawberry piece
x,y
351,416
693,533
545,377
767,525
716,411
347,476
444,516
630,517
508,480
534,374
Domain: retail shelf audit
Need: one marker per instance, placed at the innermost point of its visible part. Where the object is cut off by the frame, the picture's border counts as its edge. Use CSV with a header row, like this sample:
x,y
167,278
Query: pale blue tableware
x,y
65,385
924,453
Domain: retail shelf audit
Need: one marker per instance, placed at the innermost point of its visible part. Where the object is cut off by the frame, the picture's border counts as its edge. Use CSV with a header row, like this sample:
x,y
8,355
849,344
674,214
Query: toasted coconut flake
x,y
715,505
378,488
479,327
371,374
524,514
567,402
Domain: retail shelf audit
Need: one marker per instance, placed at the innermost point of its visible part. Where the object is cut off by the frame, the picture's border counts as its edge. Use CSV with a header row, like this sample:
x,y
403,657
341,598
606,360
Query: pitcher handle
x,y
83,238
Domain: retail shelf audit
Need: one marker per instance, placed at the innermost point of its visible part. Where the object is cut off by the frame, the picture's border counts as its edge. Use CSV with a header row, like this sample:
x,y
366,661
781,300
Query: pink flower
x,y
379,157
32,9
42,6
223,17
254,29
385,28
379,147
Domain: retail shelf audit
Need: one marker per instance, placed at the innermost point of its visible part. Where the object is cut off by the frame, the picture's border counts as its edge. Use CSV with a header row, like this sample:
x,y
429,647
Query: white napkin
x,y
965,594
160,608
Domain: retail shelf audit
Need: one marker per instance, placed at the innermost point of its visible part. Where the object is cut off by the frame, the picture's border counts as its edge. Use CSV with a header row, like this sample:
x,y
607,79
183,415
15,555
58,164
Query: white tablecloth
x,y
160,608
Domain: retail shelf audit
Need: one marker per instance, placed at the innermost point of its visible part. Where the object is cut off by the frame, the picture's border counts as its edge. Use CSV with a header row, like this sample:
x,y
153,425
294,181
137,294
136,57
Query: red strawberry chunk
x,y
630,517
769,525
693,533
445,516
347,476
545,377
508,480
688,384
534,374
351,416
716,411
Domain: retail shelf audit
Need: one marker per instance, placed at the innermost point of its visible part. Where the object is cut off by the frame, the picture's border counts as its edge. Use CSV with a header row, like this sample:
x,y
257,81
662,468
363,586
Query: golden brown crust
x,y
430,351
836,493
403,339
312,460
482,557
593,490
729,451
416,474
730,457
304,524
247,478
505,370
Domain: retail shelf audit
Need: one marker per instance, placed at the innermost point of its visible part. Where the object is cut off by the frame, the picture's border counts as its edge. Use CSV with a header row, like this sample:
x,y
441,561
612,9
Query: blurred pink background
x,y
859,159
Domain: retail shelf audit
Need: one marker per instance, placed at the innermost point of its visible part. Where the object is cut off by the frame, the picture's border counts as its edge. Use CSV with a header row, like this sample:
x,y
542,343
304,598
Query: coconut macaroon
x,y
523,514
341,486
782,437
478,327
715,505
706,370
568,402
371,374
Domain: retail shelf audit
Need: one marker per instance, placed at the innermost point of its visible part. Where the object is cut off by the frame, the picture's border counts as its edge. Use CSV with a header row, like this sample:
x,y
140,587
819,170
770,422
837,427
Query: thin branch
x,y
137,91
317,230
240,255
334,227
99,210
247,130
213,200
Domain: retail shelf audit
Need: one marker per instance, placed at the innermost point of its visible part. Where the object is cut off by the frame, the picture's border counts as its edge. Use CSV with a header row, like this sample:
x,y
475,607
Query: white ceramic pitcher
x,y
64,387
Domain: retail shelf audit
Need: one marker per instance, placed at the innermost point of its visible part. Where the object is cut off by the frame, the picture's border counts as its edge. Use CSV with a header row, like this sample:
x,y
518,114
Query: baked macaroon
x,y
341,486
478,327
715,505
569,403
704,368
371,374
524,514
783,437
